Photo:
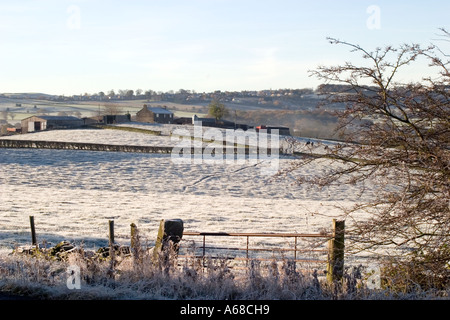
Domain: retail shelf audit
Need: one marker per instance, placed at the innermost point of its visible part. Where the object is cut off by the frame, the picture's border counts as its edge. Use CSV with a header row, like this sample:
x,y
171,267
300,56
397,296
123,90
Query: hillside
x,y
296,110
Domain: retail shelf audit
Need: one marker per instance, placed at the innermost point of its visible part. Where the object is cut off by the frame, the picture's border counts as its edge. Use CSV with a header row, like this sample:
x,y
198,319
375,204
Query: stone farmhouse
x,y
154,115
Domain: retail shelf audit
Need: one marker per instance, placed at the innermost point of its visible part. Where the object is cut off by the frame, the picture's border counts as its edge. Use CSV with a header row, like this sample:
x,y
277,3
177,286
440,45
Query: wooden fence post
x,y
335,266
134,240
112,253
133,235
159,241
33,231
111,232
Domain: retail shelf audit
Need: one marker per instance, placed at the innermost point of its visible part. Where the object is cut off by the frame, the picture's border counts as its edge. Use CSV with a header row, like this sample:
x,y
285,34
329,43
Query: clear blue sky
x,y
78,46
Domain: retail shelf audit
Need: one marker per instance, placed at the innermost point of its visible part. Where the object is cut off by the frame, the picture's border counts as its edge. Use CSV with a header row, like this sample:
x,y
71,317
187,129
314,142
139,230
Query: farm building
x,y
204,121
93,120
154,115
107,119
224,124
281,130
112,119
38,123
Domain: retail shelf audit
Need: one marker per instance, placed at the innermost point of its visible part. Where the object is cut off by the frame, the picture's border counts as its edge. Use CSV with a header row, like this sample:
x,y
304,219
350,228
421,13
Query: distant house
x,y
154,115
39,123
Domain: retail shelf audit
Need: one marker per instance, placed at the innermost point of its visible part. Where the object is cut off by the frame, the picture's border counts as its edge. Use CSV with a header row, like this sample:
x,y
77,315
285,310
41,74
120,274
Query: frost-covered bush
x,y
142,277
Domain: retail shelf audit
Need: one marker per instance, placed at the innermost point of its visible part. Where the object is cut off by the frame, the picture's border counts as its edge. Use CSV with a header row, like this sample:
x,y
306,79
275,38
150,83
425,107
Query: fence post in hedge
x,y
133,235
135,246
335,266
159,241
111,232
33,231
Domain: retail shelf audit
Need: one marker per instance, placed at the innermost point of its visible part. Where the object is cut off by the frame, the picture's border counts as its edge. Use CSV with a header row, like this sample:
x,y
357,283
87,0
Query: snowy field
x,y
72,194
115,137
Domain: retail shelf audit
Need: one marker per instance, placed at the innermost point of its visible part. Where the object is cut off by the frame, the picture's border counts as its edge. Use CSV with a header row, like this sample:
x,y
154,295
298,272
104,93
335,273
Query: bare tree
x,y
111,94
4,114
404,147
111,109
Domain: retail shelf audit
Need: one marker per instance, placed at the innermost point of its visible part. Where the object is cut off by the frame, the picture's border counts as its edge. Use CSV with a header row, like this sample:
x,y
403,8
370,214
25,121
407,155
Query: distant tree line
x,y
188,96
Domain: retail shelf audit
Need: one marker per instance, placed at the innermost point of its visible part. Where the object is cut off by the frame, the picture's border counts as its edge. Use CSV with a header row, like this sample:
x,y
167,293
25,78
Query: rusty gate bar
x,y
247,247
295,249
250,234
204,245
267,235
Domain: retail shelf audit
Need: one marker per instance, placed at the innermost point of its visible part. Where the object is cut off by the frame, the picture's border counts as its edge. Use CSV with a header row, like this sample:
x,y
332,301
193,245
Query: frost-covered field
x,y
97,136
73,194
